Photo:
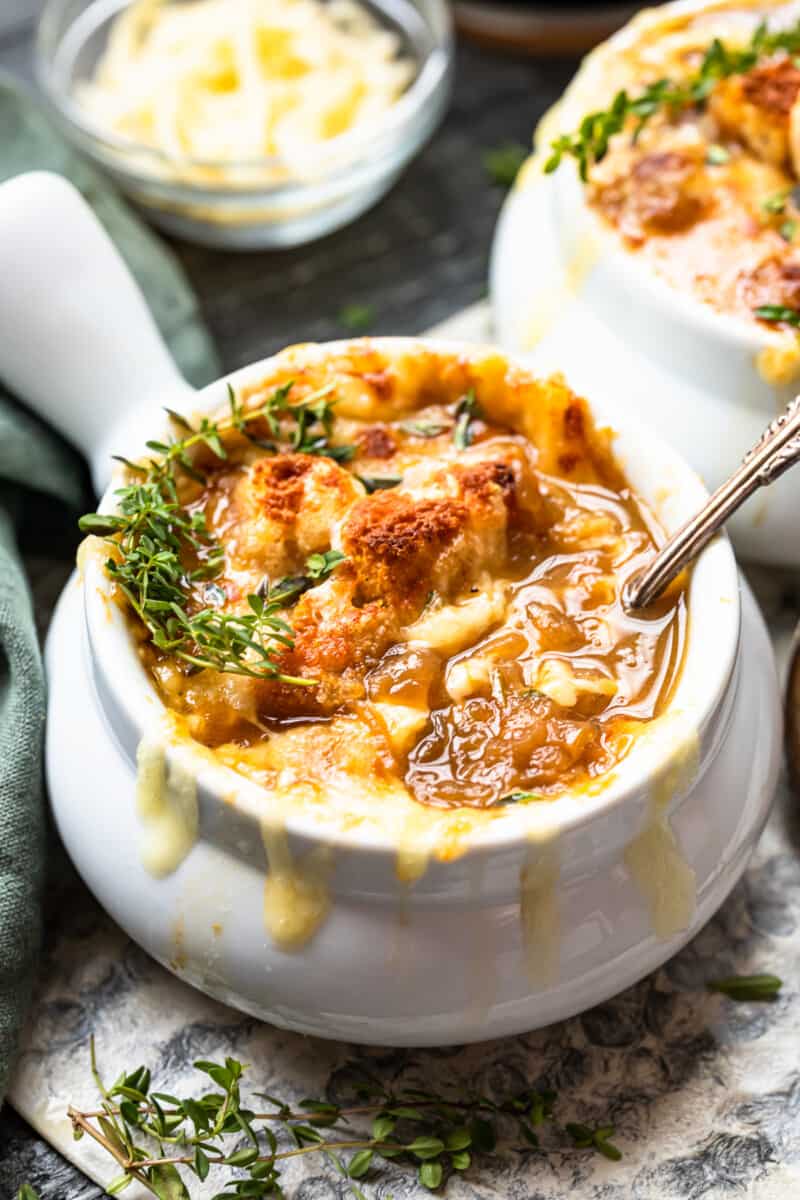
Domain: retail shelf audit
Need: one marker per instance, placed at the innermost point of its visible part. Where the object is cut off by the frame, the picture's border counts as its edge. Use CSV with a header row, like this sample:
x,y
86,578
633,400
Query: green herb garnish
x,y
26,1192
502,163
717,155
156,538
319,566
423,429
305,426
467,410
585,1138
377,483
287,590
776,203
517,797
775,206
357,317
778,314
752,988
160,1140
589,144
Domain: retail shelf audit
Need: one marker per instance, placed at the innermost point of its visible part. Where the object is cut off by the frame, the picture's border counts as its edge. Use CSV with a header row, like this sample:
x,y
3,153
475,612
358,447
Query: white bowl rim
x,y
713,609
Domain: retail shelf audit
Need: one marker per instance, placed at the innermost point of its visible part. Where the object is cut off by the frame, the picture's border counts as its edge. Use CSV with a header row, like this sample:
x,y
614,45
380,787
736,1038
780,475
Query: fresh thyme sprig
x,y
589,144
153,1135
306,425
162,549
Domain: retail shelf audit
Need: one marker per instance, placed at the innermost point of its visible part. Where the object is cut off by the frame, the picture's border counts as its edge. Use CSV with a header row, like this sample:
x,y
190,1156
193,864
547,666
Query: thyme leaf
x,y
752,988
319,566
502,163
589,143
289,589
357,317
467,410
423,429
775,203
778,314
717,155
377,483
517,797
586,1138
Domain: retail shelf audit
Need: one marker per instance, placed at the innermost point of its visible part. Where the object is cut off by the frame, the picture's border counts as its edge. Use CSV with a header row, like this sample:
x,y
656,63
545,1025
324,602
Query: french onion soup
x,y
399,566
689,149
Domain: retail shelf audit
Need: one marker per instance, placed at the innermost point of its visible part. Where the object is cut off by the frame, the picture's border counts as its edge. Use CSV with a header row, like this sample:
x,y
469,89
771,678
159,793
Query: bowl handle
x,y
77,341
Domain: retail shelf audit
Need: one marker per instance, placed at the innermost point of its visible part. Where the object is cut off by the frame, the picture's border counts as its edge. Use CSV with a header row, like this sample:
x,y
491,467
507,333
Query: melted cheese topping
x,y
705,194
238,81
471,649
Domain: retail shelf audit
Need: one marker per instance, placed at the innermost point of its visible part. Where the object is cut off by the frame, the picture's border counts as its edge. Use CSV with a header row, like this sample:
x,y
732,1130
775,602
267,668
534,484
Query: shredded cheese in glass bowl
x,y
234,80
248,122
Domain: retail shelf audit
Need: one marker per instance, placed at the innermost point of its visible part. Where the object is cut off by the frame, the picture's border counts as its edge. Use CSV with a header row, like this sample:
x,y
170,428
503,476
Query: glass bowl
x,y
259,203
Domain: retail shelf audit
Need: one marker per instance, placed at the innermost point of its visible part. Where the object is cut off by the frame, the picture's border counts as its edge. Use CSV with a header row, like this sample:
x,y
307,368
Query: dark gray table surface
x,y
418,256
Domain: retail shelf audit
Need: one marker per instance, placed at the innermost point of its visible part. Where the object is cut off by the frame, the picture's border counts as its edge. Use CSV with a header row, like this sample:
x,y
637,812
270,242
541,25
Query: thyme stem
x,y
589,144
162,550
432,1133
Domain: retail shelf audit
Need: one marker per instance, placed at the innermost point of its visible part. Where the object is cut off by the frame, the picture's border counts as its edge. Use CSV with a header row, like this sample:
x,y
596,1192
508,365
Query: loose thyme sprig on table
x,y
589,144
152,1134
154,537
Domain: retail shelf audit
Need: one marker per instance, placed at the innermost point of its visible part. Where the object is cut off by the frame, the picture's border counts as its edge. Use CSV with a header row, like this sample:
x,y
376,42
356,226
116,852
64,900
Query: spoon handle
x,y
777,449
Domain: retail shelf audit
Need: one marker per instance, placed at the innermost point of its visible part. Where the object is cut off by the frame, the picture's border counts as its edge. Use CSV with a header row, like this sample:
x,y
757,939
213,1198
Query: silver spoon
x,y
792,713
777,449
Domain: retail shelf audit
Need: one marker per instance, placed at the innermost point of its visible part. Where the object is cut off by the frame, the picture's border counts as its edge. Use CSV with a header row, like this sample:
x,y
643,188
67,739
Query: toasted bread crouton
x,y
755,108
284,508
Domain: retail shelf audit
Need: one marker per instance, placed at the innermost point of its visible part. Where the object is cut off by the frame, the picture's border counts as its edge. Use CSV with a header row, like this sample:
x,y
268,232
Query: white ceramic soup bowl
x,y
565,291
523,920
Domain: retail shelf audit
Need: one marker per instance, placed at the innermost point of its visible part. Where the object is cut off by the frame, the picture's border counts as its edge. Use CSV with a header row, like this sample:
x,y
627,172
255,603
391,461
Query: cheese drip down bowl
x,y
372,917
672,264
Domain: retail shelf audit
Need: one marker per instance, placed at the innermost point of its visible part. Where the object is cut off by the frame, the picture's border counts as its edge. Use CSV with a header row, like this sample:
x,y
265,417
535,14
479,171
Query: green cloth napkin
x,y
33,456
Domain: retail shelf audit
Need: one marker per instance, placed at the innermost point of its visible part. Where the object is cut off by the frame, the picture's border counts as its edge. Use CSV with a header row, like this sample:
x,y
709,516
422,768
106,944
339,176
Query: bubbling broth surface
x,y
464,641
554,694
